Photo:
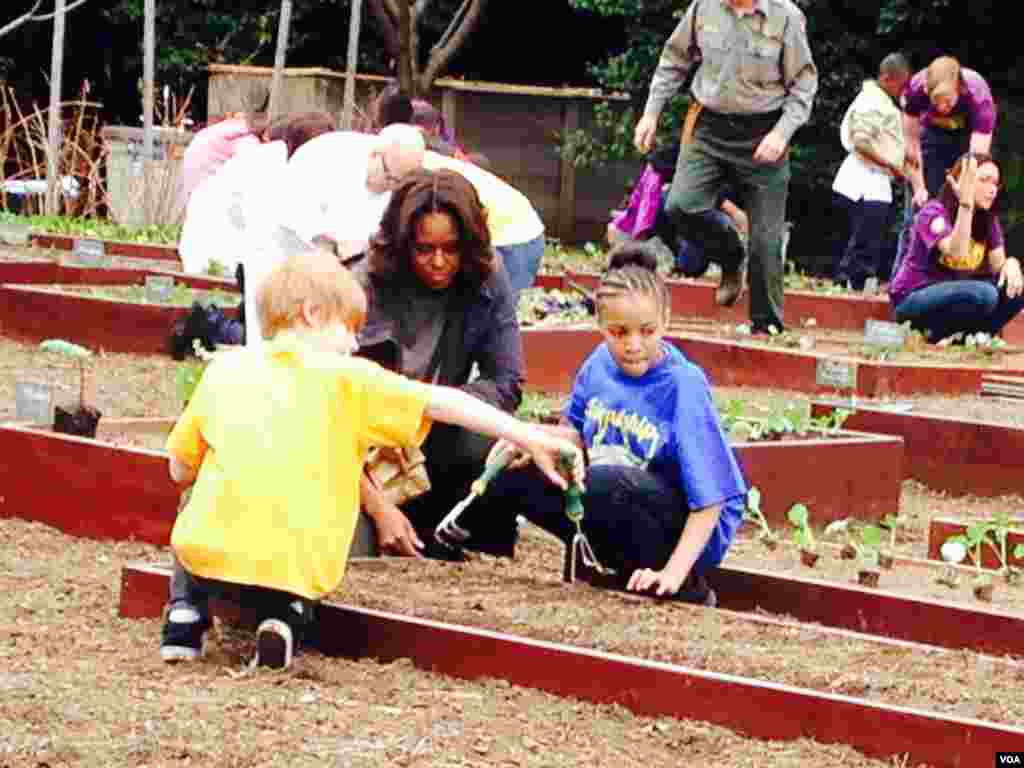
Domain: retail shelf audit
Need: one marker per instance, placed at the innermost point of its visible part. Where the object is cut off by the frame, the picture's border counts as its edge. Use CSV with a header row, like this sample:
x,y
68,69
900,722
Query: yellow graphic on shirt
x,y
633,440
949,122
976,253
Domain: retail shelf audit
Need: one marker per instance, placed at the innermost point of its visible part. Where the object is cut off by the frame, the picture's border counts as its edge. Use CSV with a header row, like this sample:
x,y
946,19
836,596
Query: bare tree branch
x,y
439,57
31,16
388,26
24,18
49,16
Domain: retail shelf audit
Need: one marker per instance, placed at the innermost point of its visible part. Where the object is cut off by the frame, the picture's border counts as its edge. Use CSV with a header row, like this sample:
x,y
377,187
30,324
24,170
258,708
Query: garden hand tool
x,y
448,531
580,546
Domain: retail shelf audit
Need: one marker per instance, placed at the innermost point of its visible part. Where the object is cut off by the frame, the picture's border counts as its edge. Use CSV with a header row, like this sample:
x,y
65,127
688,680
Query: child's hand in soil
x,y
662,582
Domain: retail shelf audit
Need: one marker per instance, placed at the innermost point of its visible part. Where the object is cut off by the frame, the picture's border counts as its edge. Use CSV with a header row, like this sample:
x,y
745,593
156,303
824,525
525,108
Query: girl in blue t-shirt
x,y
664,492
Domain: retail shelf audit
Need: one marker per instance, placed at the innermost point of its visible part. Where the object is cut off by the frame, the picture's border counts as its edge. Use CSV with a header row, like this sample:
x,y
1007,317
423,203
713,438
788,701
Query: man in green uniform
x,y
754,84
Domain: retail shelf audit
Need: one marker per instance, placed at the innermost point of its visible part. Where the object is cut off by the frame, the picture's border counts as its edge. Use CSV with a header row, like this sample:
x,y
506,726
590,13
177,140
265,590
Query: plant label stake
x,y
89,252
33,402
882,333
838,374
159,288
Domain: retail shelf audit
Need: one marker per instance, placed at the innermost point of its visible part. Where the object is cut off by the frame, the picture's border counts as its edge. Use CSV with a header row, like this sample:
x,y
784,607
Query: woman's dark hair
x,y
981,224
296,129
424,192
633,269
392,106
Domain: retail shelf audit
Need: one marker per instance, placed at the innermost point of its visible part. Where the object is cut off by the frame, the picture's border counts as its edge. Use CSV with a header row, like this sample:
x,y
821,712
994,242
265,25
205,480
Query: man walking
x,y
754,86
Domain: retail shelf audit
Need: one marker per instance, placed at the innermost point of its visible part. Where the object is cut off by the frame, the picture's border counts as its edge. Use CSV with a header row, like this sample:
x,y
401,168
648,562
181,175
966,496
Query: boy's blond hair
x,y
313,275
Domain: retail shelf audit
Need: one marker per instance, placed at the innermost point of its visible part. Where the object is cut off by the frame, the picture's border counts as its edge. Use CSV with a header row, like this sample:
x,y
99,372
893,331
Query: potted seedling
x,y
843,528
953,553
870,543
892,523
753,512
799,517
973,540
83,420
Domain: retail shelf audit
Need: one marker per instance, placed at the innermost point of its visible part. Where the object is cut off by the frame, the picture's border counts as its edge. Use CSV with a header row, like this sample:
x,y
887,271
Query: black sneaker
x,y
182,635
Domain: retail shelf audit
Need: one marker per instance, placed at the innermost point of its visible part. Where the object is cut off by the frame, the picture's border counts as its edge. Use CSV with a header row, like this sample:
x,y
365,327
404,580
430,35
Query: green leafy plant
x,y
753,513
77,353
773,422
800,517
870,546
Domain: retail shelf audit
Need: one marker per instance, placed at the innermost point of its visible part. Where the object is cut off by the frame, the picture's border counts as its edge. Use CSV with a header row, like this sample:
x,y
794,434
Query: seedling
x,y
800,517
868,552
973,540
753,512
843,528
953,553
83,420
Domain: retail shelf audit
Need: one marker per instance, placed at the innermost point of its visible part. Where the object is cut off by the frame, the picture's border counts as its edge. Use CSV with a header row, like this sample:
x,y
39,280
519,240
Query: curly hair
x,y
423,192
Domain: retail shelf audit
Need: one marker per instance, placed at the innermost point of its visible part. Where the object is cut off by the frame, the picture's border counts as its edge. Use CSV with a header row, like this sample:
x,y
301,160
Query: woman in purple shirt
x,y
956,276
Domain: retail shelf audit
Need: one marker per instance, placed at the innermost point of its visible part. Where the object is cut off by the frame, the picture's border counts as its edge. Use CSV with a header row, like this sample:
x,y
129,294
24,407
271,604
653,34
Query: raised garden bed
x,y
553,354
949,454
29,313
91,487
123,248
637,659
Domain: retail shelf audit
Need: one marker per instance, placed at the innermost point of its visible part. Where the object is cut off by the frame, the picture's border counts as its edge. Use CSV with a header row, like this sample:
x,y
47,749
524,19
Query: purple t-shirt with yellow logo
x,y
925,264
975,110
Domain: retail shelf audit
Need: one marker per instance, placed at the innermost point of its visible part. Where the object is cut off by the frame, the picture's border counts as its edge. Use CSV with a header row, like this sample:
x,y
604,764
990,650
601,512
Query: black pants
x,y
455,458
865,250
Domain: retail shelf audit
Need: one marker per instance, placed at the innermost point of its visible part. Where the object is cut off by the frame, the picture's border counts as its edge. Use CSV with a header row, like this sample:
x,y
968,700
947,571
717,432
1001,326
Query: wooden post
x,y
351,64
279,57
148,76
55,130
567,179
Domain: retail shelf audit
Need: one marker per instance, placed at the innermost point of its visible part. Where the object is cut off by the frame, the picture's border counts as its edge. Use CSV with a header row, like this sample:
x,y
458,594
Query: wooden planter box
x,y
849,474
121,248
553,355
953,455
88,487
842,312
760,709
32,315
941,528
53,273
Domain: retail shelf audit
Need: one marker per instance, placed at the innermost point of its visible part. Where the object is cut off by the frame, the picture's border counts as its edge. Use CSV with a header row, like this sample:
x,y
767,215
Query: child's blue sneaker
x,y
182,636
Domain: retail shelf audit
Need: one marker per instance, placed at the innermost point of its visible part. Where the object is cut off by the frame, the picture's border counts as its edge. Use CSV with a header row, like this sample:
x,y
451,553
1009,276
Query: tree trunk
x,y
406,63
279,58
442,55
351,64
55,129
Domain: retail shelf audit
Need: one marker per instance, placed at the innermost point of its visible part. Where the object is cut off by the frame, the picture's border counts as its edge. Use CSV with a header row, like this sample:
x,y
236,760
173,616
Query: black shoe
x,y
182,635
696,590
765,329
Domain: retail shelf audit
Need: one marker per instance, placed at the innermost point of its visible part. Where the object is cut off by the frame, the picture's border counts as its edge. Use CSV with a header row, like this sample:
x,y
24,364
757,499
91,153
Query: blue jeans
x,y
522,261
954,306
633,519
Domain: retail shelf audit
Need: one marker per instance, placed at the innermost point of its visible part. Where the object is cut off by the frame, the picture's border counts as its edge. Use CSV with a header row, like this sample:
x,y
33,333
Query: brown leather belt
x,y
690,122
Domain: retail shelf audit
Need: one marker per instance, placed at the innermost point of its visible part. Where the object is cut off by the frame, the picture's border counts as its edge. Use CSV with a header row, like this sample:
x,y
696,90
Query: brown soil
x,y
81,687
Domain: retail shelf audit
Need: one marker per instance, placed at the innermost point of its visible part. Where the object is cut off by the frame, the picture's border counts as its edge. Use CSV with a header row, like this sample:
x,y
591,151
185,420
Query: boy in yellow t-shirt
x,y
273,443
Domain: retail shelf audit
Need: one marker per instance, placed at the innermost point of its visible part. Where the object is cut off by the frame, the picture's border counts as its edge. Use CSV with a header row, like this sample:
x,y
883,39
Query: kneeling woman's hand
x,y
1010,278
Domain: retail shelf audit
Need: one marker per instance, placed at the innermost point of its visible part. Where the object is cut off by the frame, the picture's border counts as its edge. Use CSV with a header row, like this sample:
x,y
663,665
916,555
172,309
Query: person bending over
x,y
273,442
